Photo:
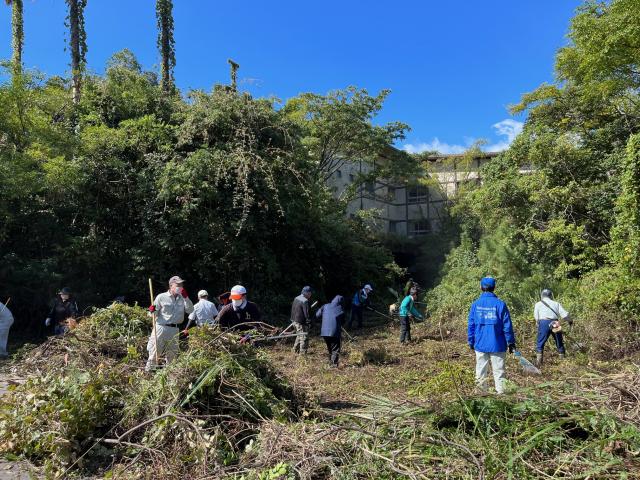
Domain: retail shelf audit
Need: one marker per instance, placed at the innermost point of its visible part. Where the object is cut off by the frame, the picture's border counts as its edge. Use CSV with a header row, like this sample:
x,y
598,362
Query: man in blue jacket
x,y
361,300
490,334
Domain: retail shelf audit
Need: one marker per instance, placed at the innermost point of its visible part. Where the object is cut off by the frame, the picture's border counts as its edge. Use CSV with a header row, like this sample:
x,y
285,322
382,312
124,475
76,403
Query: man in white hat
x,y
204,312
169,308
239,311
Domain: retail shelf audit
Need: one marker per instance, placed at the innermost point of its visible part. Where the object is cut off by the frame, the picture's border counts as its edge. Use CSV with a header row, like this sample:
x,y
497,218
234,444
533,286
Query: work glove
x,y
245,339
512,347
152,308
47,322
184,293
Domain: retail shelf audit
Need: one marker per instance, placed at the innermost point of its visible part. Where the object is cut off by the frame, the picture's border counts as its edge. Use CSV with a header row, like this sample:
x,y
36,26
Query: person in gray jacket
x,y
169,308
301,320
332,316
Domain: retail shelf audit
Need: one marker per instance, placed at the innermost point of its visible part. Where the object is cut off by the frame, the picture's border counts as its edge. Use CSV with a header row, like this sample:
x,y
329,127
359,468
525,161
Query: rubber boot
x,y
539,359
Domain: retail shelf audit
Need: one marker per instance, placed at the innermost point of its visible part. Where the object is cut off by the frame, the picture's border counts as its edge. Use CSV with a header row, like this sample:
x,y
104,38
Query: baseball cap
x,y
203,293
237,292
368,287
306,289
175,279
488,282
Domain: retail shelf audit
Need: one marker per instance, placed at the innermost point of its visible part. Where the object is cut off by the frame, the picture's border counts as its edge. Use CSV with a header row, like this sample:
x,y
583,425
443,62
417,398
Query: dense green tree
x,y
218,188
339,127
548,212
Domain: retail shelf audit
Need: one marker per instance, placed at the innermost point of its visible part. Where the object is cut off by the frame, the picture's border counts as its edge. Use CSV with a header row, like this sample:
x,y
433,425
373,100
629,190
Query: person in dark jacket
x,y
490,334
360,301
301,320
239,311
64,308
332,316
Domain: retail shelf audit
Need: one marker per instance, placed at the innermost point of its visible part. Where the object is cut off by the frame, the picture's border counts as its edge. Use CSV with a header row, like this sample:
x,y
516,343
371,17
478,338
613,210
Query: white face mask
x,y
237,303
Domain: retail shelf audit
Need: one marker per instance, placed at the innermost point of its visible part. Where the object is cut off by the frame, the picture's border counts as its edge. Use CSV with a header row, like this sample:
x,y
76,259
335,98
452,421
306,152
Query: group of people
x,y
169,309
490,331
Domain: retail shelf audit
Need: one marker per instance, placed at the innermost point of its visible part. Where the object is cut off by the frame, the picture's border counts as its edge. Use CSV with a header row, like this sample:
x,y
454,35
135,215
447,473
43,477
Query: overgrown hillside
x,y
136,182
226,410
560,208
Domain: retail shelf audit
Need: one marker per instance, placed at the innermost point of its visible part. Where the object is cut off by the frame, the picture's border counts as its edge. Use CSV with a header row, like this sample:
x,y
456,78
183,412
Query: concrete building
x,y
410,207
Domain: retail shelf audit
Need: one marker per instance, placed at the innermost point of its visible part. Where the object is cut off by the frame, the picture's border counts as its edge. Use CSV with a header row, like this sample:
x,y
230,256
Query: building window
x,y
419,227
391,192
393,226
417,194
351,177
339,173
370,186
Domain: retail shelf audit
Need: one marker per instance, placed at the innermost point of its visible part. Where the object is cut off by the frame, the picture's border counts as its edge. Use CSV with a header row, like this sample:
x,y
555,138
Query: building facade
x,y
408,208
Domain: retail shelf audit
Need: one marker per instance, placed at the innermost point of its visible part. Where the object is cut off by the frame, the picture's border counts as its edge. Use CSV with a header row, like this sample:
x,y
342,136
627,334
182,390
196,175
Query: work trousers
x,y
333,347
482,370
4,337
544,332
302,340
164,342
356,314
60,329
405,329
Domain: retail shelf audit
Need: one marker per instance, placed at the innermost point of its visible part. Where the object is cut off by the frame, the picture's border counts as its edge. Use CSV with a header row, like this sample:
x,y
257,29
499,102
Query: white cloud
x,y
508,128
434,145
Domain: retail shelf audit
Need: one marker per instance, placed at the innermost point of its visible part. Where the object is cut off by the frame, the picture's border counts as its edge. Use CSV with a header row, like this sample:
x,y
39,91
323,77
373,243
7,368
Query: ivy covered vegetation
x,y
135,182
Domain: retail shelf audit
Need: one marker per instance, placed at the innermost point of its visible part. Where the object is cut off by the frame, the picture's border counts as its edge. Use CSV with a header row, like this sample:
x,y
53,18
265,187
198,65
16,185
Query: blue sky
x,y
453,67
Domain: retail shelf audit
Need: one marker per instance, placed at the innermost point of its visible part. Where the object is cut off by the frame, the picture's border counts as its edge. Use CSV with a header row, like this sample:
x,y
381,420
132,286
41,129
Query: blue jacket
x,y
408,308
360,299
332,317
490,329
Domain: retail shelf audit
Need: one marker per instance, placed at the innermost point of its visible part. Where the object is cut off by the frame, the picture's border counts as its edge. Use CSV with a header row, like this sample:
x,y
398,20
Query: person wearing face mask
x,y
64,308
170,308
239,311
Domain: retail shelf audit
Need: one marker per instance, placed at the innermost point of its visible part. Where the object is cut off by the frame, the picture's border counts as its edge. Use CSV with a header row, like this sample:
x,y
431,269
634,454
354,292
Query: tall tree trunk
x,y
74,26
17,36
77,41
166,43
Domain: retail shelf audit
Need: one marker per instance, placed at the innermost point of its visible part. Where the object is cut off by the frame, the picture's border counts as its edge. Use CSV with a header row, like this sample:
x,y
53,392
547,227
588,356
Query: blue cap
x,y
488,282
306,289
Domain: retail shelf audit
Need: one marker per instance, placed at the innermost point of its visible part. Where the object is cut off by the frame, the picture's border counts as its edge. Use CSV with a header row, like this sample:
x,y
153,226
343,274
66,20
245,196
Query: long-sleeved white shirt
x,y
204,312
556,312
